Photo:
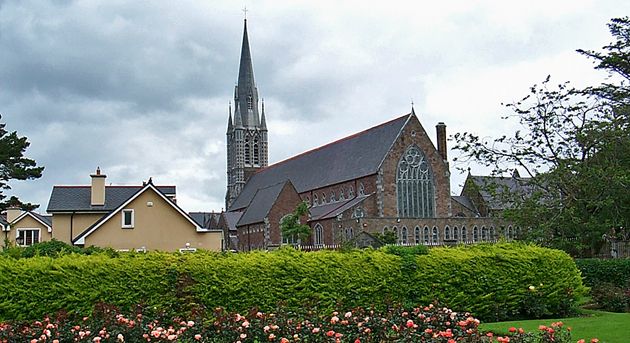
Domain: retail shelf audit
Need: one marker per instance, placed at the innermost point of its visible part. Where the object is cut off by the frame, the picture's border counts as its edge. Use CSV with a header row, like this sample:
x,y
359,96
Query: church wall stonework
x,y
414,134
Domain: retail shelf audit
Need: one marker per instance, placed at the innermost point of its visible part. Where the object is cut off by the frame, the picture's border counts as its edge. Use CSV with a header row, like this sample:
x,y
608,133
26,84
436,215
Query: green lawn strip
x,y
607,326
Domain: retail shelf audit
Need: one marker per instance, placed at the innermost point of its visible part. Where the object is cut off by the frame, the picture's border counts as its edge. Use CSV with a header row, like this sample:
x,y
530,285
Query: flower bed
x,y
419,324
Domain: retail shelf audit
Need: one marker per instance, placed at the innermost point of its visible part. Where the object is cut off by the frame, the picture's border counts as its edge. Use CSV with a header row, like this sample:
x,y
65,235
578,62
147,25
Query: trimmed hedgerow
x,y
491,281
610,271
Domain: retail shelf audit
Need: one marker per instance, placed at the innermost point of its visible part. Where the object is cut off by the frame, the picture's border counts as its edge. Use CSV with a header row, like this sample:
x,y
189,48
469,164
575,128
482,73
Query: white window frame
x,y
39,235
133,218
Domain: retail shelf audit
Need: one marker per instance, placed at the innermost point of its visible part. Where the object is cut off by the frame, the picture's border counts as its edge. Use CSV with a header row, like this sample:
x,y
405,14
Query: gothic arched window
x,y
426,235
341,195
315,201
361,189
332,196
436,235
248,159
464,234
250,102
417,235
319,234
404,235
256,152
414,185
455,233
350,192
475,234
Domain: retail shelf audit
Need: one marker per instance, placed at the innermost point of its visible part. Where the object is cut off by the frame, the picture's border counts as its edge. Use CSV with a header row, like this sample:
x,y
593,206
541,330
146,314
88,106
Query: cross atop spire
x,y
244,12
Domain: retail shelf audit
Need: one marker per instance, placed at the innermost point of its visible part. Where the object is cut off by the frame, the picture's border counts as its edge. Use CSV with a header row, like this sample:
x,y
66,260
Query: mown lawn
x,y
607,326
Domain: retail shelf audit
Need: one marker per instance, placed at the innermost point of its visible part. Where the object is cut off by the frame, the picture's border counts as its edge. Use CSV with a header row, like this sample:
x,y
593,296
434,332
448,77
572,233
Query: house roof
x,y
80,239
349,158
261,204
43,219
3,220
78,198
491,189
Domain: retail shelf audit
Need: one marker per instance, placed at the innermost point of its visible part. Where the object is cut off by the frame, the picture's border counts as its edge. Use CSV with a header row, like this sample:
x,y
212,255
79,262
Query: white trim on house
x,y
81,239
133,217
17,234
24,214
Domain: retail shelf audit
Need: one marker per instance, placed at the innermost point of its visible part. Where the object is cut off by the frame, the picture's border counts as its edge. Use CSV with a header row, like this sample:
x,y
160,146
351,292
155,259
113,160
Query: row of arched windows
x,y
432,236
344,193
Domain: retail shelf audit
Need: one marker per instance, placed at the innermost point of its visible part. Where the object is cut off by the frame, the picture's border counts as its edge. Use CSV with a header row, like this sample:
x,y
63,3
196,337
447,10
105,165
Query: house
x,y
143,218
27,227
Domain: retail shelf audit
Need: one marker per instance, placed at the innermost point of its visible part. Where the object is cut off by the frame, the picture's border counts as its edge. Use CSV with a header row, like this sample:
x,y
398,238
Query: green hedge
x,y
491,281
611,271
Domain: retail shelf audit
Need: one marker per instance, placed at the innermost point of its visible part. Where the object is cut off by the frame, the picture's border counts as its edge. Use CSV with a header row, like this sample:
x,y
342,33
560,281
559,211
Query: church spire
x,y
229,129
263,121
246,94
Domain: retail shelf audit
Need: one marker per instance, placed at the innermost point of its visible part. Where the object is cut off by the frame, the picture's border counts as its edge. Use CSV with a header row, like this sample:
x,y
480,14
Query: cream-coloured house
x,y
126,218
27,228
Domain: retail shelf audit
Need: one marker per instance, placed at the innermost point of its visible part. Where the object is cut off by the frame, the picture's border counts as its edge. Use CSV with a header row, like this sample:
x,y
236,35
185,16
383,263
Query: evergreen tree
x,y
14,166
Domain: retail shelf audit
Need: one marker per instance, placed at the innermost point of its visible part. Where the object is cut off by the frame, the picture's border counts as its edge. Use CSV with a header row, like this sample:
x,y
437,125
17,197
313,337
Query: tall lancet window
x,y
250,103
414,185
256,152
248,158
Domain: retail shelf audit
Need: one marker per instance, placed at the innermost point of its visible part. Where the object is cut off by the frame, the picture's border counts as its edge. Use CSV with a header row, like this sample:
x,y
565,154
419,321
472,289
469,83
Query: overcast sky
x,y
141,88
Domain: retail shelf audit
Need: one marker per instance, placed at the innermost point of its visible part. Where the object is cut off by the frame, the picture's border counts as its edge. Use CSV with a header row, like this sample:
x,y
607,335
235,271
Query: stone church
x,y
390,177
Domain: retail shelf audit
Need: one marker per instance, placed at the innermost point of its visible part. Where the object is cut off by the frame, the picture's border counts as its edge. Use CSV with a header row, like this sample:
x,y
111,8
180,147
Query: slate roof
x,y
332,210
3,220
261,204
44,218
465,201
349,158
491,189
232,218
77,198
206,220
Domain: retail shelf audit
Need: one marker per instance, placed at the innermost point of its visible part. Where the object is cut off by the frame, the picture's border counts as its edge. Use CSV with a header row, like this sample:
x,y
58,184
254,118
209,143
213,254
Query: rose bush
x,y
431,324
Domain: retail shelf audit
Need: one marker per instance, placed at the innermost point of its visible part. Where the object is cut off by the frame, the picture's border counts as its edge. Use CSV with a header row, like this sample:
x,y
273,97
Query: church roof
x,y
77,198
465,201
261,204
355,156
492,188
332,210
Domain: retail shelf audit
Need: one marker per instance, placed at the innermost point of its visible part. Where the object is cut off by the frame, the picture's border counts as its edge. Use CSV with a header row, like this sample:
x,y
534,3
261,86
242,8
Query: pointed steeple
x,y
263,121
229,129
246,94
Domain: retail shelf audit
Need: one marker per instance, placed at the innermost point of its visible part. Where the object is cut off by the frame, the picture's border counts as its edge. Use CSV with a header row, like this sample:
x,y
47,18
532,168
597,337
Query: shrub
x,y
491,281
611,298
52,248
599,271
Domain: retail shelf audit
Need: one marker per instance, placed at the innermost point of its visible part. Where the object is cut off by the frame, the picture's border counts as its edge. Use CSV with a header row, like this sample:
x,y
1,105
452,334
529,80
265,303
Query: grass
x,y
607,326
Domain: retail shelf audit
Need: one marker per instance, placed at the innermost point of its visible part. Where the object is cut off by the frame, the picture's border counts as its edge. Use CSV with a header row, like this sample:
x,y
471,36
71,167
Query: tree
x,y
290,224
14,166
574,146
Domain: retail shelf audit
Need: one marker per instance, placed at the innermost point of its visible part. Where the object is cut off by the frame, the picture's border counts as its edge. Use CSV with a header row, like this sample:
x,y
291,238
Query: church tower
x,y
247,149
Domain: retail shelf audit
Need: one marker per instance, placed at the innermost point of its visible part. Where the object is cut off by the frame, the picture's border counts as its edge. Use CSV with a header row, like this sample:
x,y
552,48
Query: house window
x,y
127,219
27,237
319,235
414,185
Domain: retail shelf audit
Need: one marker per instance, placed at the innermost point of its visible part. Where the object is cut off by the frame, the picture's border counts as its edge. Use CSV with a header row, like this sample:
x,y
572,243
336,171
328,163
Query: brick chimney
x,y
441,139
97,190
12,213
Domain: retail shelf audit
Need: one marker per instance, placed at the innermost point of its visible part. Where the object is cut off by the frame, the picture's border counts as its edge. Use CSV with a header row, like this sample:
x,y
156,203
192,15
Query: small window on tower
x,y
250,102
